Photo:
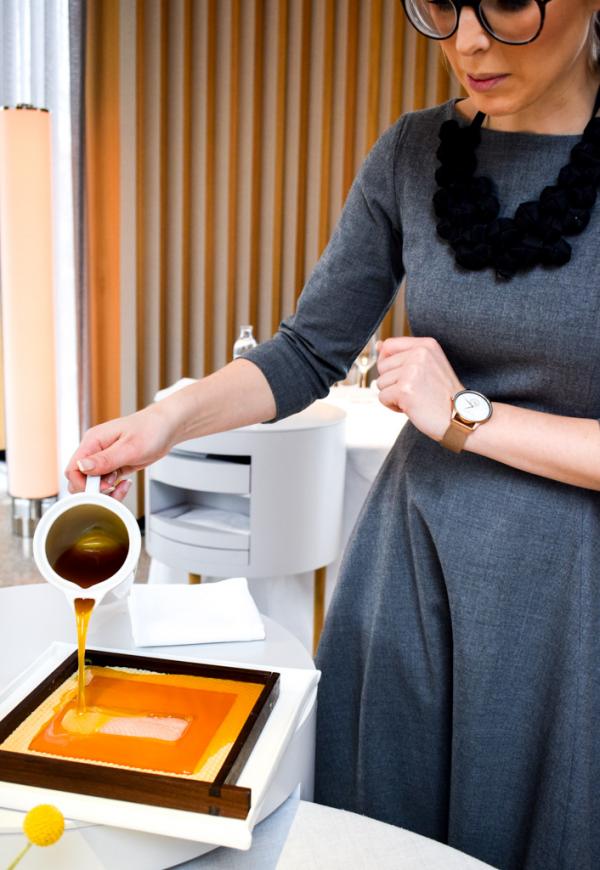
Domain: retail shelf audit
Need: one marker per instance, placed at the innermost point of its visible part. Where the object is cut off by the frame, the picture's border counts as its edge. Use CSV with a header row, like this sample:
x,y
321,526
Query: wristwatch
x,y
469,410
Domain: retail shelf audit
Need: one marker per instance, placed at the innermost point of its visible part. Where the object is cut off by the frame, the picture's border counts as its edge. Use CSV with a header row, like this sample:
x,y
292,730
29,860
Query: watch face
x,y
472,406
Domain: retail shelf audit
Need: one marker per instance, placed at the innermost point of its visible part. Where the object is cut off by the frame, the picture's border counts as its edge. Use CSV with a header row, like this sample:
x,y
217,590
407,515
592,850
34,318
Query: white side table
x,y
261,501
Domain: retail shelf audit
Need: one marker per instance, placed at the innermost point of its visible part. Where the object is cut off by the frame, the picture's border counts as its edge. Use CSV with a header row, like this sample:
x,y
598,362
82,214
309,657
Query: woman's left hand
x,y
416,378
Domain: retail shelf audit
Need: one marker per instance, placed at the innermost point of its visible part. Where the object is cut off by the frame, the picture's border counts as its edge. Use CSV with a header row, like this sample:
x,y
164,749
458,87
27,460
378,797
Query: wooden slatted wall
x,y
242,125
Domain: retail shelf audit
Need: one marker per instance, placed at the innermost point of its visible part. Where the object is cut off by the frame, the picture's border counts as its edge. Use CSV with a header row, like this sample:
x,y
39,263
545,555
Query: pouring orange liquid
x,y
97,553
83,612
167,722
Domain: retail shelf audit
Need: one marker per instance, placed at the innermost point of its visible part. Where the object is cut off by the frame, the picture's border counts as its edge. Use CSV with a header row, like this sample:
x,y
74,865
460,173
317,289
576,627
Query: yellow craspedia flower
x,y
44,825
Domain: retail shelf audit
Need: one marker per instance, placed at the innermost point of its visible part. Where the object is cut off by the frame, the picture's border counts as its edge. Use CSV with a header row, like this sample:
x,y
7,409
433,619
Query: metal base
x,y
26,514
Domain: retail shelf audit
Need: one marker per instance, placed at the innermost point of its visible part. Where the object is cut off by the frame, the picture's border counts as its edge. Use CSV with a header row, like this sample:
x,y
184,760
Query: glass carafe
x,y
244,342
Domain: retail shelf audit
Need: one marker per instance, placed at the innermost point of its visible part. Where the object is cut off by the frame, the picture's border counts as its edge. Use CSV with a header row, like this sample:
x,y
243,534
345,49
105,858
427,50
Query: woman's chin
x,y
494,103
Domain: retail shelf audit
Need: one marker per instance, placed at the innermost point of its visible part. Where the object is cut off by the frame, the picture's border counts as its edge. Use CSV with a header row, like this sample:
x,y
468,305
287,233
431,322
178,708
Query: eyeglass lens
x,y
513,21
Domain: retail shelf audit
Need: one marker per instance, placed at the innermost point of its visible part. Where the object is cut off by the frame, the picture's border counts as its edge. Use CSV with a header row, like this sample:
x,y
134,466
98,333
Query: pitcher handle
x,y
92,485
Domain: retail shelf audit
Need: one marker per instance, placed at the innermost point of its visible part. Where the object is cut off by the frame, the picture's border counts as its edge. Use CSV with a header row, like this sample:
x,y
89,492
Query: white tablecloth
x,y
321,837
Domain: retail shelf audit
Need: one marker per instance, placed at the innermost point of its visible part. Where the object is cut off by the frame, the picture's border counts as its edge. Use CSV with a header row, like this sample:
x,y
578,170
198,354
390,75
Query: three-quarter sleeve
x,y
348,293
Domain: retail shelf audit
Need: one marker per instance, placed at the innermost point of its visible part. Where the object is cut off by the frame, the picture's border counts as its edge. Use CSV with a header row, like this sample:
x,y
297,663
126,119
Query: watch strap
x,y
455,436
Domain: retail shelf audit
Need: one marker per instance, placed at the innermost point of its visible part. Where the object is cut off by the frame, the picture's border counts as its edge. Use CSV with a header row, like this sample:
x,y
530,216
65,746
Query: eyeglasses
x,y
515,22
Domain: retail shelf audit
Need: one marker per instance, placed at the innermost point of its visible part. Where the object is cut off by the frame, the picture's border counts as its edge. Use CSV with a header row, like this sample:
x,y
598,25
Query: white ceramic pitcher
x,y
60,526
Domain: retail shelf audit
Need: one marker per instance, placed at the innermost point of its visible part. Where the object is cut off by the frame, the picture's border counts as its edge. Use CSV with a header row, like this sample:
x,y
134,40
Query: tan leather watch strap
x,y
455,436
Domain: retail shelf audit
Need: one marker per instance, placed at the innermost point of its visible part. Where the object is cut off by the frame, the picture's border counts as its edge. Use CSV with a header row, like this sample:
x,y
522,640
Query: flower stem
x,y
21,854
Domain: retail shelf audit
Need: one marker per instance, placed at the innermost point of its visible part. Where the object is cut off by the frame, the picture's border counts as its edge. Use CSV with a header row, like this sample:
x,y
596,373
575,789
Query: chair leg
x,y
318,606
194,578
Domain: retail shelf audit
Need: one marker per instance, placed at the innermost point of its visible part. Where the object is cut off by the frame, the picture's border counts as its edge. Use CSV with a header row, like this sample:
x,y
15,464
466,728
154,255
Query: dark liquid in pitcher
x,y
89,546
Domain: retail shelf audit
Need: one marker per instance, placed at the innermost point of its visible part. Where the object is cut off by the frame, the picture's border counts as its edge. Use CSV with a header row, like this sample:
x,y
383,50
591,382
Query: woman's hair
x,y
595,42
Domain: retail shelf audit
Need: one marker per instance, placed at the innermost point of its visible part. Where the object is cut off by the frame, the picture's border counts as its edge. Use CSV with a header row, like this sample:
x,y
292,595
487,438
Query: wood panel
x,y
280,130
163,216
140,197
140,236
326,121
303,111
351,96
251,119
389,326
374,74
422,53
234,109
186,187
209,186
102,188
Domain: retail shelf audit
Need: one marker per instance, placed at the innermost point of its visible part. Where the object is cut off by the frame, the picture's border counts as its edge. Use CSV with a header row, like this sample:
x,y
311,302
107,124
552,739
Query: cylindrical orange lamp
x,y
26,280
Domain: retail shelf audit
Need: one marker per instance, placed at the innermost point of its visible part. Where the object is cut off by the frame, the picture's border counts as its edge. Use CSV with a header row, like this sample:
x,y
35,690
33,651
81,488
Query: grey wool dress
x,y
460,695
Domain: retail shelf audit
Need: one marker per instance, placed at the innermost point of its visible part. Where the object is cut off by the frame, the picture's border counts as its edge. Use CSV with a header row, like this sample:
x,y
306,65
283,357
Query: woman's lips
x,y
486,83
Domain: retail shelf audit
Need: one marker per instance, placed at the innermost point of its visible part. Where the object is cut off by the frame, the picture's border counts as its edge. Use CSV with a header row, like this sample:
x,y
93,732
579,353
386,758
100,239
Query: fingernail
x,y
125,486
111,479
85,465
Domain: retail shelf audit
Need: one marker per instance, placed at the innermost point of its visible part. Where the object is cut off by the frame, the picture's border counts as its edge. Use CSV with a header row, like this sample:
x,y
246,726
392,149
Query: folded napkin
x,y
173,614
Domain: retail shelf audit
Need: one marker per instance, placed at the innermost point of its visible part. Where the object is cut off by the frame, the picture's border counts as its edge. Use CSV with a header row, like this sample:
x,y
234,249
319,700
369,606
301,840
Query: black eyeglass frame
x,y
476,6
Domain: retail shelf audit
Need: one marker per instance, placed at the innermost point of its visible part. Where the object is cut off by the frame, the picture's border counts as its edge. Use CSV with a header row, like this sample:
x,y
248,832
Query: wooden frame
x,y
221,797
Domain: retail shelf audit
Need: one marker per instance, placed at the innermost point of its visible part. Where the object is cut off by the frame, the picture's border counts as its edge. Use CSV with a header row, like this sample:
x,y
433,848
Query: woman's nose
x,y
470,36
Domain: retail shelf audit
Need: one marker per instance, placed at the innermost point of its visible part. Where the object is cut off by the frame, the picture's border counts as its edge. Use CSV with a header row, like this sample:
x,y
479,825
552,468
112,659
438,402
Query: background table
x,y
32,617
371,431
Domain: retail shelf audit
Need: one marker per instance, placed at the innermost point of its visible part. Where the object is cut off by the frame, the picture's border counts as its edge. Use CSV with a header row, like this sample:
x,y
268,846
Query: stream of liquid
x,y
88,544
83,612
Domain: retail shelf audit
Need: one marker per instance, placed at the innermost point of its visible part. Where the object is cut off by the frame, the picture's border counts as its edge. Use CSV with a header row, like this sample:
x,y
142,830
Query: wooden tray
x,y
221,797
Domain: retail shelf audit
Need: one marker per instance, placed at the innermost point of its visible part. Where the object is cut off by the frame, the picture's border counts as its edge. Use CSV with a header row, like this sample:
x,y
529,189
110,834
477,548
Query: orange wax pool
x,y
192,719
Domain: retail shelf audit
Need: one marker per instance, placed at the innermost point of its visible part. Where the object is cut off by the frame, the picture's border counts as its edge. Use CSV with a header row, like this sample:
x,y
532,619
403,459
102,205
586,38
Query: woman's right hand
x,y
118,448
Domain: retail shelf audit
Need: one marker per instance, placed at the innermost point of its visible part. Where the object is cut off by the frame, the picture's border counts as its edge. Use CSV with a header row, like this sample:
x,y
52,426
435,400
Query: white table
x,y
371,431
32,617
322,837
371,428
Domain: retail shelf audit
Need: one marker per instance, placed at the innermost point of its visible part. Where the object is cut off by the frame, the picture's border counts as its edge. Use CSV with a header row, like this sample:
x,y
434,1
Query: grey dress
x,y
460,695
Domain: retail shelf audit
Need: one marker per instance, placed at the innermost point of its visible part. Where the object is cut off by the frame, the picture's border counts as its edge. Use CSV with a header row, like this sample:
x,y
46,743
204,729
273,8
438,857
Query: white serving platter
x,y
297,690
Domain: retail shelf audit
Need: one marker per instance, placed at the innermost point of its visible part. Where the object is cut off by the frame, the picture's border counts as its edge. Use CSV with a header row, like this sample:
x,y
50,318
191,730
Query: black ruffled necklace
x,y
468,209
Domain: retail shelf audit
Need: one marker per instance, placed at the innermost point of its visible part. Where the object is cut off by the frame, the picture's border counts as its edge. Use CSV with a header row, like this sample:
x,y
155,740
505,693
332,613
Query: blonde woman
x,y
460,695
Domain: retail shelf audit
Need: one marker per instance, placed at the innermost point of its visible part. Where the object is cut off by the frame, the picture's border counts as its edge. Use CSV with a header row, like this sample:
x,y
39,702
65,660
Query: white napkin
x,y
178,385
173,614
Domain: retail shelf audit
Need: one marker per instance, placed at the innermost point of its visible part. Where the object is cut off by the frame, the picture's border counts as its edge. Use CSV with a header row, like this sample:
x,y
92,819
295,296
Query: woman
x,y
460,695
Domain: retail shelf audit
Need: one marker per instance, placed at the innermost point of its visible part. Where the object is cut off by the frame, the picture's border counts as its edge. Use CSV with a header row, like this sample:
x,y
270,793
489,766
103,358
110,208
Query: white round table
x,y
31,618
322,837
